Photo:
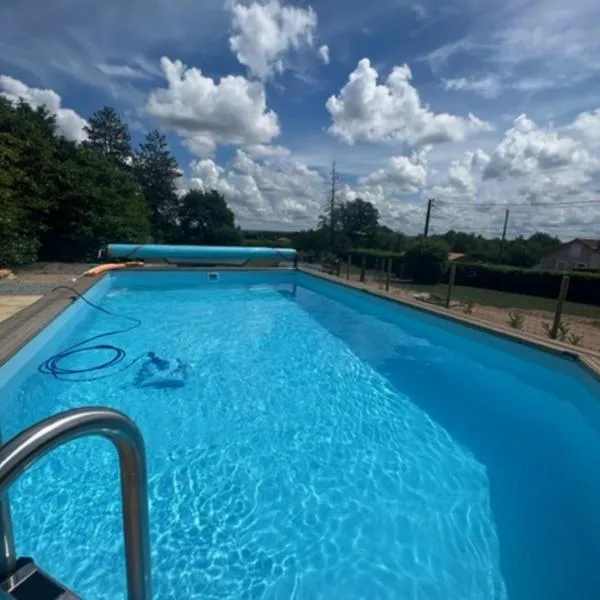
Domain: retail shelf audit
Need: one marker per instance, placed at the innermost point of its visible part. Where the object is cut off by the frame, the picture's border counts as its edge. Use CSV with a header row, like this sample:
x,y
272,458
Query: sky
x,y
482,106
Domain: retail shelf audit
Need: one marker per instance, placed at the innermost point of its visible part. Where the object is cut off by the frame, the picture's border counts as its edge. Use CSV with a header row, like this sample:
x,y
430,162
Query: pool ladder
x,y
21,578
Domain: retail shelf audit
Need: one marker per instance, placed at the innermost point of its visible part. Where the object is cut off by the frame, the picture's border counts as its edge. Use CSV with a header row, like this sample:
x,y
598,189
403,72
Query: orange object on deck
x,y
93,272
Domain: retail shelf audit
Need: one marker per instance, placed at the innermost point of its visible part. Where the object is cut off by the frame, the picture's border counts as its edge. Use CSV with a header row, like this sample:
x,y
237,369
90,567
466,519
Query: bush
x,y
515,320
427,261
583,287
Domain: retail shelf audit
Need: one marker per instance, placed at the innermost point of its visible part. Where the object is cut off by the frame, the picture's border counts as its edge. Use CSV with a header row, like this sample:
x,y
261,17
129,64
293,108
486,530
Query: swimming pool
x,y
327,444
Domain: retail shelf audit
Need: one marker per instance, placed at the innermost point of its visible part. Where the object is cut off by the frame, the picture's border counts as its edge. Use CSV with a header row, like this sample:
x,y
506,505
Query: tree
x,y
109,136
520,254
427,261
205,218
156,171
99,203
27,179
359,222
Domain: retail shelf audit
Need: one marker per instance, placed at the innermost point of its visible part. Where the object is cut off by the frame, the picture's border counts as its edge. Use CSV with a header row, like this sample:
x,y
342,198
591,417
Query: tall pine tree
x,y
157,171
109,136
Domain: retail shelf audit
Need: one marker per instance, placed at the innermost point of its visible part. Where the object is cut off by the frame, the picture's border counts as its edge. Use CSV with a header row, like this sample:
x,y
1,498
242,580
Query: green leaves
x,y
156,171
205,218
426,261
109,136
60,200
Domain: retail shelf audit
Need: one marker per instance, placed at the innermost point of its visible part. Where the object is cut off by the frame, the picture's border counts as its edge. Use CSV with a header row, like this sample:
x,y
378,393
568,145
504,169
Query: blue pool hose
x,y
52,366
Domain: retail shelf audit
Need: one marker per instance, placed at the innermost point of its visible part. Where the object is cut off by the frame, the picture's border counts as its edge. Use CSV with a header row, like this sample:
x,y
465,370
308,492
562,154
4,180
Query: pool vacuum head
x,y
162,373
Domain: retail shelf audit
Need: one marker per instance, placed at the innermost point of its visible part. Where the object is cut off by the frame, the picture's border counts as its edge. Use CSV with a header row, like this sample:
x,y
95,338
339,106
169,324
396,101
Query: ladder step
x,y
29,582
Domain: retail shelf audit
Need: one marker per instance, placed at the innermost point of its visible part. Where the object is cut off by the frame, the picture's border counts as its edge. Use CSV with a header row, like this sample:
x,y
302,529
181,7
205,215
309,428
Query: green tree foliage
x,y
427,261
109,136
355,223
100,203
27,179
156,171
359,222
205,218
519,252
60,200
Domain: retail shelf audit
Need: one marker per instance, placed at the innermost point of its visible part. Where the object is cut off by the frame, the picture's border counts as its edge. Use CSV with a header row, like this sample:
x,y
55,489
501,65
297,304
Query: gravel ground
x,y
15,287
41,278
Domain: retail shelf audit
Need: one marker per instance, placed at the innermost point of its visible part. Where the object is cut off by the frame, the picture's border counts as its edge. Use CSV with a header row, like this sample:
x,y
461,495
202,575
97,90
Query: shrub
x,y
574,339
427,261
583,287
561,334
515,320
469,306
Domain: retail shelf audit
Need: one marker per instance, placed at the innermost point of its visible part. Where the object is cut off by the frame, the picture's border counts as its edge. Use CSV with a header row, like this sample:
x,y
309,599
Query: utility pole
x,y
429,203
502,242
332,209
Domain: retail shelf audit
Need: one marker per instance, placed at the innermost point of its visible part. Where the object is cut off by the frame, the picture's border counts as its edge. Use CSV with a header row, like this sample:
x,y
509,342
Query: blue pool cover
x,y
173,252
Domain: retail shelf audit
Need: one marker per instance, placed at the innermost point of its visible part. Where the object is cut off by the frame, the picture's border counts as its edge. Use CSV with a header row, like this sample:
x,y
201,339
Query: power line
x,y
517,205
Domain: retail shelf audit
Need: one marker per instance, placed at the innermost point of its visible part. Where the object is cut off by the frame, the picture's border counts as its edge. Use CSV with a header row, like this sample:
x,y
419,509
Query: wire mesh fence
x,y
576,325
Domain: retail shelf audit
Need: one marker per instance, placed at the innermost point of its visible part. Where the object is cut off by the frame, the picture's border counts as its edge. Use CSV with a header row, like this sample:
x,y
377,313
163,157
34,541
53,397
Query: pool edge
x,y
587,360
19,329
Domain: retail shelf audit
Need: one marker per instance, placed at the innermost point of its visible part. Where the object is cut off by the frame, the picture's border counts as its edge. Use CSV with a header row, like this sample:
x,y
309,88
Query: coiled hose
x,y
53,367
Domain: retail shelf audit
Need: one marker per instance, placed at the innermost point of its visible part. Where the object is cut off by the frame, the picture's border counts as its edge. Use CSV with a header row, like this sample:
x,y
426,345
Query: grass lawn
x,y
507,300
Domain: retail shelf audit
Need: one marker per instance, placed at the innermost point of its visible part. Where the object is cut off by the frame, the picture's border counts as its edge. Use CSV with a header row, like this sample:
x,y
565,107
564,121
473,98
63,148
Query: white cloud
x,y
403,173
587,124
324,54
529,46
489,86
262,34
526,149
529,166
230,111
124,71
68,122
267,151
392,111
282,194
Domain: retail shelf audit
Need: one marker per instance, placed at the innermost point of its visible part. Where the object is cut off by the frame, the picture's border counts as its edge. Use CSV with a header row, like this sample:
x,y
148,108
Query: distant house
x,y
579,253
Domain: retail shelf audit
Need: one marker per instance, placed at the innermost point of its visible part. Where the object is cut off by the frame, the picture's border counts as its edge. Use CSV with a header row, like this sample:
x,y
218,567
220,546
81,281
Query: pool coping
x,y
19,329
587,359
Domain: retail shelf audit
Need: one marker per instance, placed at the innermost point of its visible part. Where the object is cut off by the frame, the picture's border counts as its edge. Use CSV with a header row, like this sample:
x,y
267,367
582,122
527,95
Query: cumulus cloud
x,y
529,166
267,151
392,111
324,54
68,122
230,111
526,149
404,173
263,34
284,194
587,124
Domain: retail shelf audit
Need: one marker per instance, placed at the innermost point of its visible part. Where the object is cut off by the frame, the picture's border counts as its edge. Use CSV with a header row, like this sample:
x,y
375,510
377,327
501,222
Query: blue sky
x,y
480,105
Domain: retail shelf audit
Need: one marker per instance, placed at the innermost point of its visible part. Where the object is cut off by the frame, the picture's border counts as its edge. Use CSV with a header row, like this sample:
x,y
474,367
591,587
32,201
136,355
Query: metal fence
x,y
575,325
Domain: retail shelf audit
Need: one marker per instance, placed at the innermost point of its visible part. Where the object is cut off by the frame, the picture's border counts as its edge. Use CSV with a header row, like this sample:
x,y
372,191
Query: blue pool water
x,y
326,445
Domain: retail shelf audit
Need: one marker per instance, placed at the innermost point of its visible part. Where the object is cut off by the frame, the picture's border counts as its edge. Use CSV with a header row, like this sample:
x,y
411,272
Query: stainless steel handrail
x,y
22,451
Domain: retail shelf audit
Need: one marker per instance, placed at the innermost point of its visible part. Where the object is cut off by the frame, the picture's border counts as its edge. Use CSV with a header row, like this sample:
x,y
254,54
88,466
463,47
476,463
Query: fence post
x,y
562,296
362,269
389,275
339,266
451,279
348,263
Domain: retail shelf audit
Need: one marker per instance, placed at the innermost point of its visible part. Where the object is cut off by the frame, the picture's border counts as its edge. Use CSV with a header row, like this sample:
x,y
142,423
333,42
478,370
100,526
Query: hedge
x,y
583,287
